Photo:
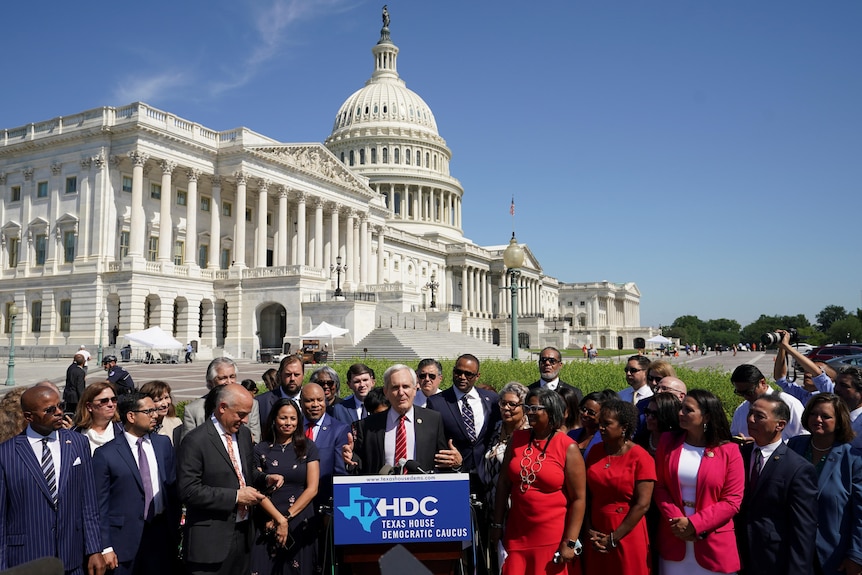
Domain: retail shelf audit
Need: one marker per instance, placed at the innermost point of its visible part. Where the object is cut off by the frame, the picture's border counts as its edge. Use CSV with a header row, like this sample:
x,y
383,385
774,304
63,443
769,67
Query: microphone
x,y
412,467
386,470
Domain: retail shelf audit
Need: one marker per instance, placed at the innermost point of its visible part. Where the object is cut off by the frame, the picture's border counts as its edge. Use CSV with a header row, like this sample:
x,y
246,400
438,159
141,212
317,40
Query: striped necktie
x,y
469,422
48,469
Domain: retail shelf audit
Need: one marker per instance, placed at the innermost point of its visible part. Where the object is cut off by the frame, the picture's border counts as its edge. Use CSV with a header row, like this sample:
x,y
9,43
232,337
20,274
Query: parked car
x,y
804,348
827,352
840,361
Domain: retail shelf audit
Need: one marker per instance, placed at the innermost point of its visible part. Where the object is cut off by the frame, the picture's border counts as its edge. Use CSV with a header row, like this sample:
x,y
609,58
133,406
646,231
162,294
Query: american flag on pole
x,y
512,207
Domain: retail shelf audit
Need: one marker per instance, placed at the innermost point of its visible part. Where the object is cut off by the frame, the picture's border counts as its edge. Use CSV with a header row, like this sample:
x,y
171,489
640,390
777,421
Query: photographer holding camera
x,y
818,377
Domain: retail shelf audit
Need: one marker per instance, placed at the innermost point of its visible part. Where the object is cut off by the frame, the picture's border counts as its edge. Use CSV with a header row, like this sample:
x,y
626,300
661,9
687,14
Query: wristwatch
x,y
575,546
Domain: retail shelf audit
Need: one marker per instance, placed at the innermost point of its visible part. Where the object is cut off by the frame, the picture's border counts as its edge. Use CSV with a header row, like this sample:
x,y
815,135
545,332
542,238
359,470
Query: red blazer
x,y
720,486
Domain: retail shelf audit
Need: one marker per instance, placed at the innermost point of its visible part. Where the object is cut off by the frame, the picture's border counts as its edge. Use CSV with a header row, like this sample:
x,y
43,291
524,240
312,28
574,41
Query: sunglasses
x,y
51,410
655,378
550,360
651,412
588,411
105,400
632,370
327,382
464,374
431,376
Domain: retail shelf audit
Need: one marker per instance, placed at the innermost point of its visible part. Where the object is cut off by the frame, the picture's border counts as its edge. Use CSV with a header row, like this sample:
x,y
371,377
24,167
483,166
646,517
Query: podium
x,y
428,514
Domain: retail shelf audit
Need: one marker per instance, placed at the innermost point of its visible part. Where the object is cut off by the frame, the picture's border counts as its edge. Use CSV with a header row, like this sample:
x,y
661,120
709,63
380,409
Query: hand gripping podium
x,y
428,514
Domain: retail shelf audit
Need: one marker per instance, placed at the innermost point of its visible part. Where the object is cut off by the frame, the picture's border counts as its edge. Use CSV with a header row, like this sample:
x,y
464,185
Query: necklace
x,y
652,446
617,454
284,445
821,449
529,467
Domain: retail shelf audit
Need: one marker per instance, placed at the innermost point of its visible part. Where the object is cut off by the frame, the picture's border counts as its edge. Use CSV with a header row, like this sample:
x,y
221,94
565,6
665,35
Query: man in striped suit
x,y
48,501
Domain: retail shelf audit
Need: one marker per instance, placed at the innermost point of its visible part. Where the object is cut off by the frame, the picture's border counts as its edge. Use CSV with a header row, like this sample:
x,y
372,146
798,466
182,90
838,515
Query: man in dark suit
x,y
360,379
777,523
328,434
136,486
463,403
291,372
218,482
403,432
75,382
550,364
48,501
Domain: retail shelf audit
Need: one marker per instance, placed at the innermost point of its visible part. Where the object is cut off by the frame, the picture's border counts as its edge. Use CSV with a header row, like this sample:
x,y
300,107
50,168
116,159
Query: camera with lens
x,y
775,337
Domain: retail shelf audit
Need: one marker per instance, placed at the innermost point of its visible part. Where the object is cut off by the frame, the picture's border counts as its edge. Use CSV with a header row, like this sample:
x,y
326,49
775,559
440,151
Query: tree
x,y
767,323
688,328
829,315
839,330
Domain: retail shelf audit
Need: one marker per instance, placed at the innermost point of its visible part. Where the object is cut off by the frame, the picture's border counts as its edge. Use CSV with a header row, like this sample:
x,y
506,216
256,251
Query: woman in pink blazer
x,y
700,484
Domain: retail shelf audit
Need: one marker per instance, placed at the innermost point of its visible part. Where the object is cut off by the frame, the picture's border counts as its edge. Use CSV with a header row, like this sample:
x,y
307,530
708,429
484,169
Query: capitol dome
x,y
387,133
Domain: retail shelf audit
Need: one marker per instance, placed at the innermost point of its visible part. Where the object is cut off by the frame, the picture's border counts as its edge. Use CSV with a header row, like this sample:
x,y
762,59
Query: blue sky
x,y
709,151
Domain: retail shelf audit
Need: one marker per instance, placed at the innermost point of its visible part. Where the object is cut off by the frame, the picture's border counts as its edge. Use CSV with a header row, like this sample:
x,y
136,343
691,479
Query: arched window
x,y
385,155
373,155
427,160
397,156
362,156
351,157
342,157
407,156
418,158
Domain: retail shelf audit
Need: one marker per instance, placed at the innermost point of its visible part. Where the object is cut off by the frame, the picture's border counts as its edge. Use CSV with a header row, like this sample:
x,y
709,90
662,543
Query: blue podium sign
x,y
401,508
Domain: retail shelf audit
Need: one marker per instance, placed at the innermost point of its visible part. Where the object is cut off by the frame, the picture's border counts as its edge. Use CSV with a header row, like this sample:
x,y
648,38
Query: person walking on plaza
x,y
189,351
75,382
135,476
48,505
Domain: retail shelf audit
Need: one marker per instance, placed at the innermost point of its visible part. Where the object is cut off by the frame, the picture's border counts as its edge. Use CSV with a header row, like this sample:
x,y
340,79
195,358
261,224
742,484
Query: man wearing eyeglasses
x,y
220,371
136,487
550,364
749,384
48,504
636,370
430,375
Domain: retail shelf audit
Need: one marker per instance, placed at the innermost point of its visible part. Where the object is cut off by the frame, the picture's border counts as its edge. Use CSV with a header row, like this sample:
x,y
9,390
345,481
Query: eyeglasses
x,y
655,378
464,374
651,412
534,408
745,392
328,382
51,410
632,369
105,400
147,412
550,360
431,376
666,389
513,405
588,411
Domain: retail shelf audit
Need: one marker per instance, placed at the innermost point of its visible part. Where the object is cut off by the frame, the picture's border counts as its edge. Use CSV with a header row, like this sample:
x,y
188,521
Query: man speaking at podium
x,y
405,438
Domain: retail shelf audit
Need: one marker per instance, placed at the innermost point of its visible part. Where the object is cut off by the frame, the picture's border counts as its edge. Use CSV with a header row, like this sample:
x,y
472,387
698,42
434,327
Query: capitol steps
x,y
409,345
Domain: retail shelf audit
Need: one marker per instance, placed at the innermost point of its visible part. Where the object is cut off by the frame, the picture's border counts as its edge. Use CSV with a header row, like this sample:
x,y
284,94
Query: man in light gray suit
x,y
220,371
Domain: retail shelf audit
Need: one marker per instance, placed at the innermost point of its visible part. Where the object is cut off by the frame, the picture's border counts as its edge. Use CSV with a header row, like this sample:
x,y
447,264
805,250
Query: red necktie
x,y
401,440
309,430
242,510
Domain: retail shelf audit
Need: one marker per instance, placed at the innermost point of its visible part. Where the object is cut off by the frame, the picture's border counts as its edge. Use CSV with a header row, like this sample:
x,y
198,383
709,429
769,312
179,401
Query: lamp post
x,y
513,259
101,331
10,373
433,285
338,268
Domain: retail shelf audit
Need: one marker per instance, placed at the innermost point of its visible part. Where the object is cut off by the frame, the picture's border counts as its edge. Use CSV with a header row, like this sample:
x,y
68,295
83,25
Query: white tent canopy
x,y
153,338
327,331
659,339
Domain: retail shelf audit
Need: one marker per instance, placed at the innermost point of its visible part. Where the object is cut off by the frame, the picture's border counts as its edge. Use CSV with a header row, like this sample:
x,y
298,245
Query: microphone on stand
x,y
386,470
412,467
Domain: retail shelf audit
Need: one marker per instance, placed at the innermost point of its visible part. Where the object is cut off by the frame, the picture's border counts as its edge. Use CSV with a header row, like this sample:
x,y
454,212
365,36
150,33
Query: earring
x,y
705,427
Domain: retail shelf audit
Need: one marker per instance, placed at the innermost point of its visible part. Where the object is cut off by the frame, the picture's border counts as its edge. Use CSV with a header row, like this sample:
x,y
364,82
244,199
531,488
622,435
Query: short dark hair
x,y
570,399
643,361
600,397
250,385
469,357
551,348
287,360
779,408
430,361
717,430
854,373
553,404
668,405
375,398
626,413
129,402
746,373
843,429
359,369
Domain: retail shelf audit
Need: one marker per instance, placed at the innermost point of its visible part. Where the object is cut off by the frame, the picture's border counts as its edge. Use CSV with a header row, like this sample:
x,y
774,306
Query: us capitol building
x,y
131,217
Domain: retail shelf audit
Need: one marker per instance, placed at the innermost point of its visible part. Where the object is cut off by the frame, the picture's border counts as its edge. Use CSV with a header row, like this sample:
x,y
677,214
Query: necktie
x,y
758,466
241,510
362,413
401,440
146,480
469,422
48,469
309,430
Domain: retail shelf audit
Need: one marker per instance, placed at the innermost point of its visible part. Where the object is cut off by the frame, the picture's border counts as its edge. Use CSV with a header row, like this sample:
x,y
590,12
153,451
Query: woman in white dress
x,y
700,484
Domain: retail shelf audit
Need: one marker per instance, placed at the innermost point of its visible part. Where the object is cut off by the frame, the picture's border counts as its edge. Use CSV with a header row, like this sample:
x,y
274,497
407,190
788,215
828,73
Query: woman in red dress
x,y
620,480
543,477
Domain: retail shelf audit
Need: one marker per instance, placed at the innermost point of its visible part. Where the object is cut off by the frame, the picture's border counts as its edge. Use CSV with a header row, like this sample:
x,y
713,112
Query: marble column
x,y
349,254
357,253
191,255
166,235
239,220
136,232
364,250
215,224
301,239
261,235
464,288
334,238
281,246
318,233
381,255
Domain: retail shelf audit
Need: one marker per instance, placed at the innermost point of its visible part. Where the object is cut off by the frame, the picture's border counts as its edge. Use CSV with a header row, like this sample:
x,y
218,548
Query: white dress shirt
x,y
392,418
476,403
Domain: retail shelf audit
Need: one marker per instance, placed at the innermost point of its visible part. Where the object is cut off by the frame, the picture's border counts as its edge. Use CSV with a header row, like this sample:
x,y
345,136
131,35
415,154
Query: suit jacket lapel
x,y
769,467
22,445
452,402
829,467
217,442
125,452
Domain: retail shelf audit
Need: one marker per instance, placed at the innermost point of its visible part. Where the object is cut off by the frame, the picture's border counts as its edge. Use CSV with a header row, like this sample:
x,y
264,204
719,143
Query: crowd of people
x,y
652,478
